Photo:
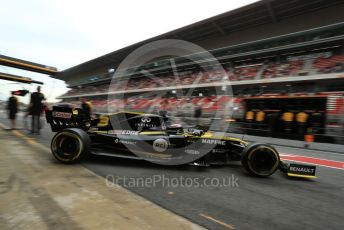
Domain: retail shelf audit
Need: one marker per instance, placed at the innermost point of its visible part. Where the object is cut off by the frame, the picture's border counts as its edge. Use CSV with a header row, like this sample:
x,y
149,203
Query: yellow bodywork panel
x,y
103,121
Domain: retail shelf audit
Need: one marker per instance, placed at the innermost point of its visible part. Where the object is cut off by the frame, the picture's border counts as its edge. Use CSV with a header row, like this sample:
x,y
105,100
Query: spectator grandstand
x,y
268,69
332,64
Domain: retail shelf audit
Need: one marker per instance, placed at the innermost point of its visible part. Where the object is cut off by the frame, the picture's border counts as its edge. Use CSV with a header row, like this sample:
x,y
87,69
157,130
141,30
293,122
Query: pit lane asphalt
x,y
276,202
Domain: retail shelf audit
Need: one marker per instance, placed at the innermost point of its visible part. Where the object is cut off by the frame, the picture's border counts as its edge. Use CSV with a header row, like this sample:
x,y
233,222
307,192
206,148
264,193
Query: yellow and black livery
x,y
154,138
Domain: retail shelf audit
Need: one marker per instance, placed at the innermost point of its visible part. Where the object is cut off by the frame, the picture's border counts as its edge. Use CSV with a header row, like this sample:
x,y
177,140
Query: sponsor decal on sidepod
x,y
213,142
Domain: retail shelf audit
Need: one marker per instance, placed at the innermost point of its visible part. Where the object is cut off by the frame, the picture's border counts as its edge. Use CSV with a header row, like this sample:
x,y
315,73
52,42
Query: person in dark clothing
x,y
260,119
36,107
12,108
301,121
316,121
86,108
272,120
288,118
163,108
197,113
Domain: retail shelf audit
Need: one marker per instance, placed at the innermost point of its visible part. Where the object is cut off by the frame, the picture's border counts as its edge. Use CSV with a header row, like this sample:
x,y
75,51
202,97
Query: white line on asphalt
x,y
217,221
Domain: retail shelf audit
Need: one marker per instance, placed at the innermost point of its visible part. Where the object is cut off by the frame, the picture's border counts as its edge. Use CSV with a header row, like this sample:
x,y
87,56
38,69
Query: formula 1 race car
x,y
155,138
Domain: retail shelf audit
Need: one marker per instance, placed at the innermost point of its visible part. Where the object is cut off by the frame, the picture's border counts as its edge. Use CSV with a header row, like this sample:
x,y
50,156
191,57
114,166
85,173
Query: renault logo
x,y
145,119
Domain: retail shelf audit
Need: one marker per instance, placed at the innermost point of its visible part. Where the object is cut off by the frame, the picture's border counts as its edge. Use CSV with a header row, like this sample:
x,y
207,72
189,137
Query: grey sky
x,y
65,33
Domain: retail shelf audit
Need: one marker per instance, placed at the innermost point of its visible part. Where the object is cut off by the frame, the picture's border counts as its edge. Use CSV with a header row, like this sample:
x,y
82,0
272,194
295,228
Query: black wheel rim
x,y
263,161
66,147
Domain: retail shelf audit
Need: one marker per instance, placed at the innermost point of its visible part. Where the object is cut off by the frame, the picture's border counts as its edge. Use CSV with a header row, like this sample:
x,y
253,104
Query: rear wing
x,y
61,118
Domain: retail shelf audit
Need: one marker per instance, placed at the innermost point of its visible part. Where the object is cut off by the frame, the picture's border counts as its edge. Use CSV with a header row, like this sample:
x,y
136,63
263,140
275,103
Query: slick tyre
x,y
260,160
70,145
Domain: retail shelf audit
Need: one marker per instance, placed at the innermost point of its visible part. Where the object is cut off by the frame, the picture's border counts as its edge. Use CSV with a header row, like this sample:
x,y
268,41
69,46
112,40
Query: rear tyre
x,y
70,145
260,159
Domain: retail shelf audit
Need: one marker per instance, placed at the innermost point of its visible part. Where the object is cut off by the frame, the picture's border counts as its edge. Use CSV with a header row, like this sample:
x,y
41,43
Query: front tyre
x,y
70,145
260,159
